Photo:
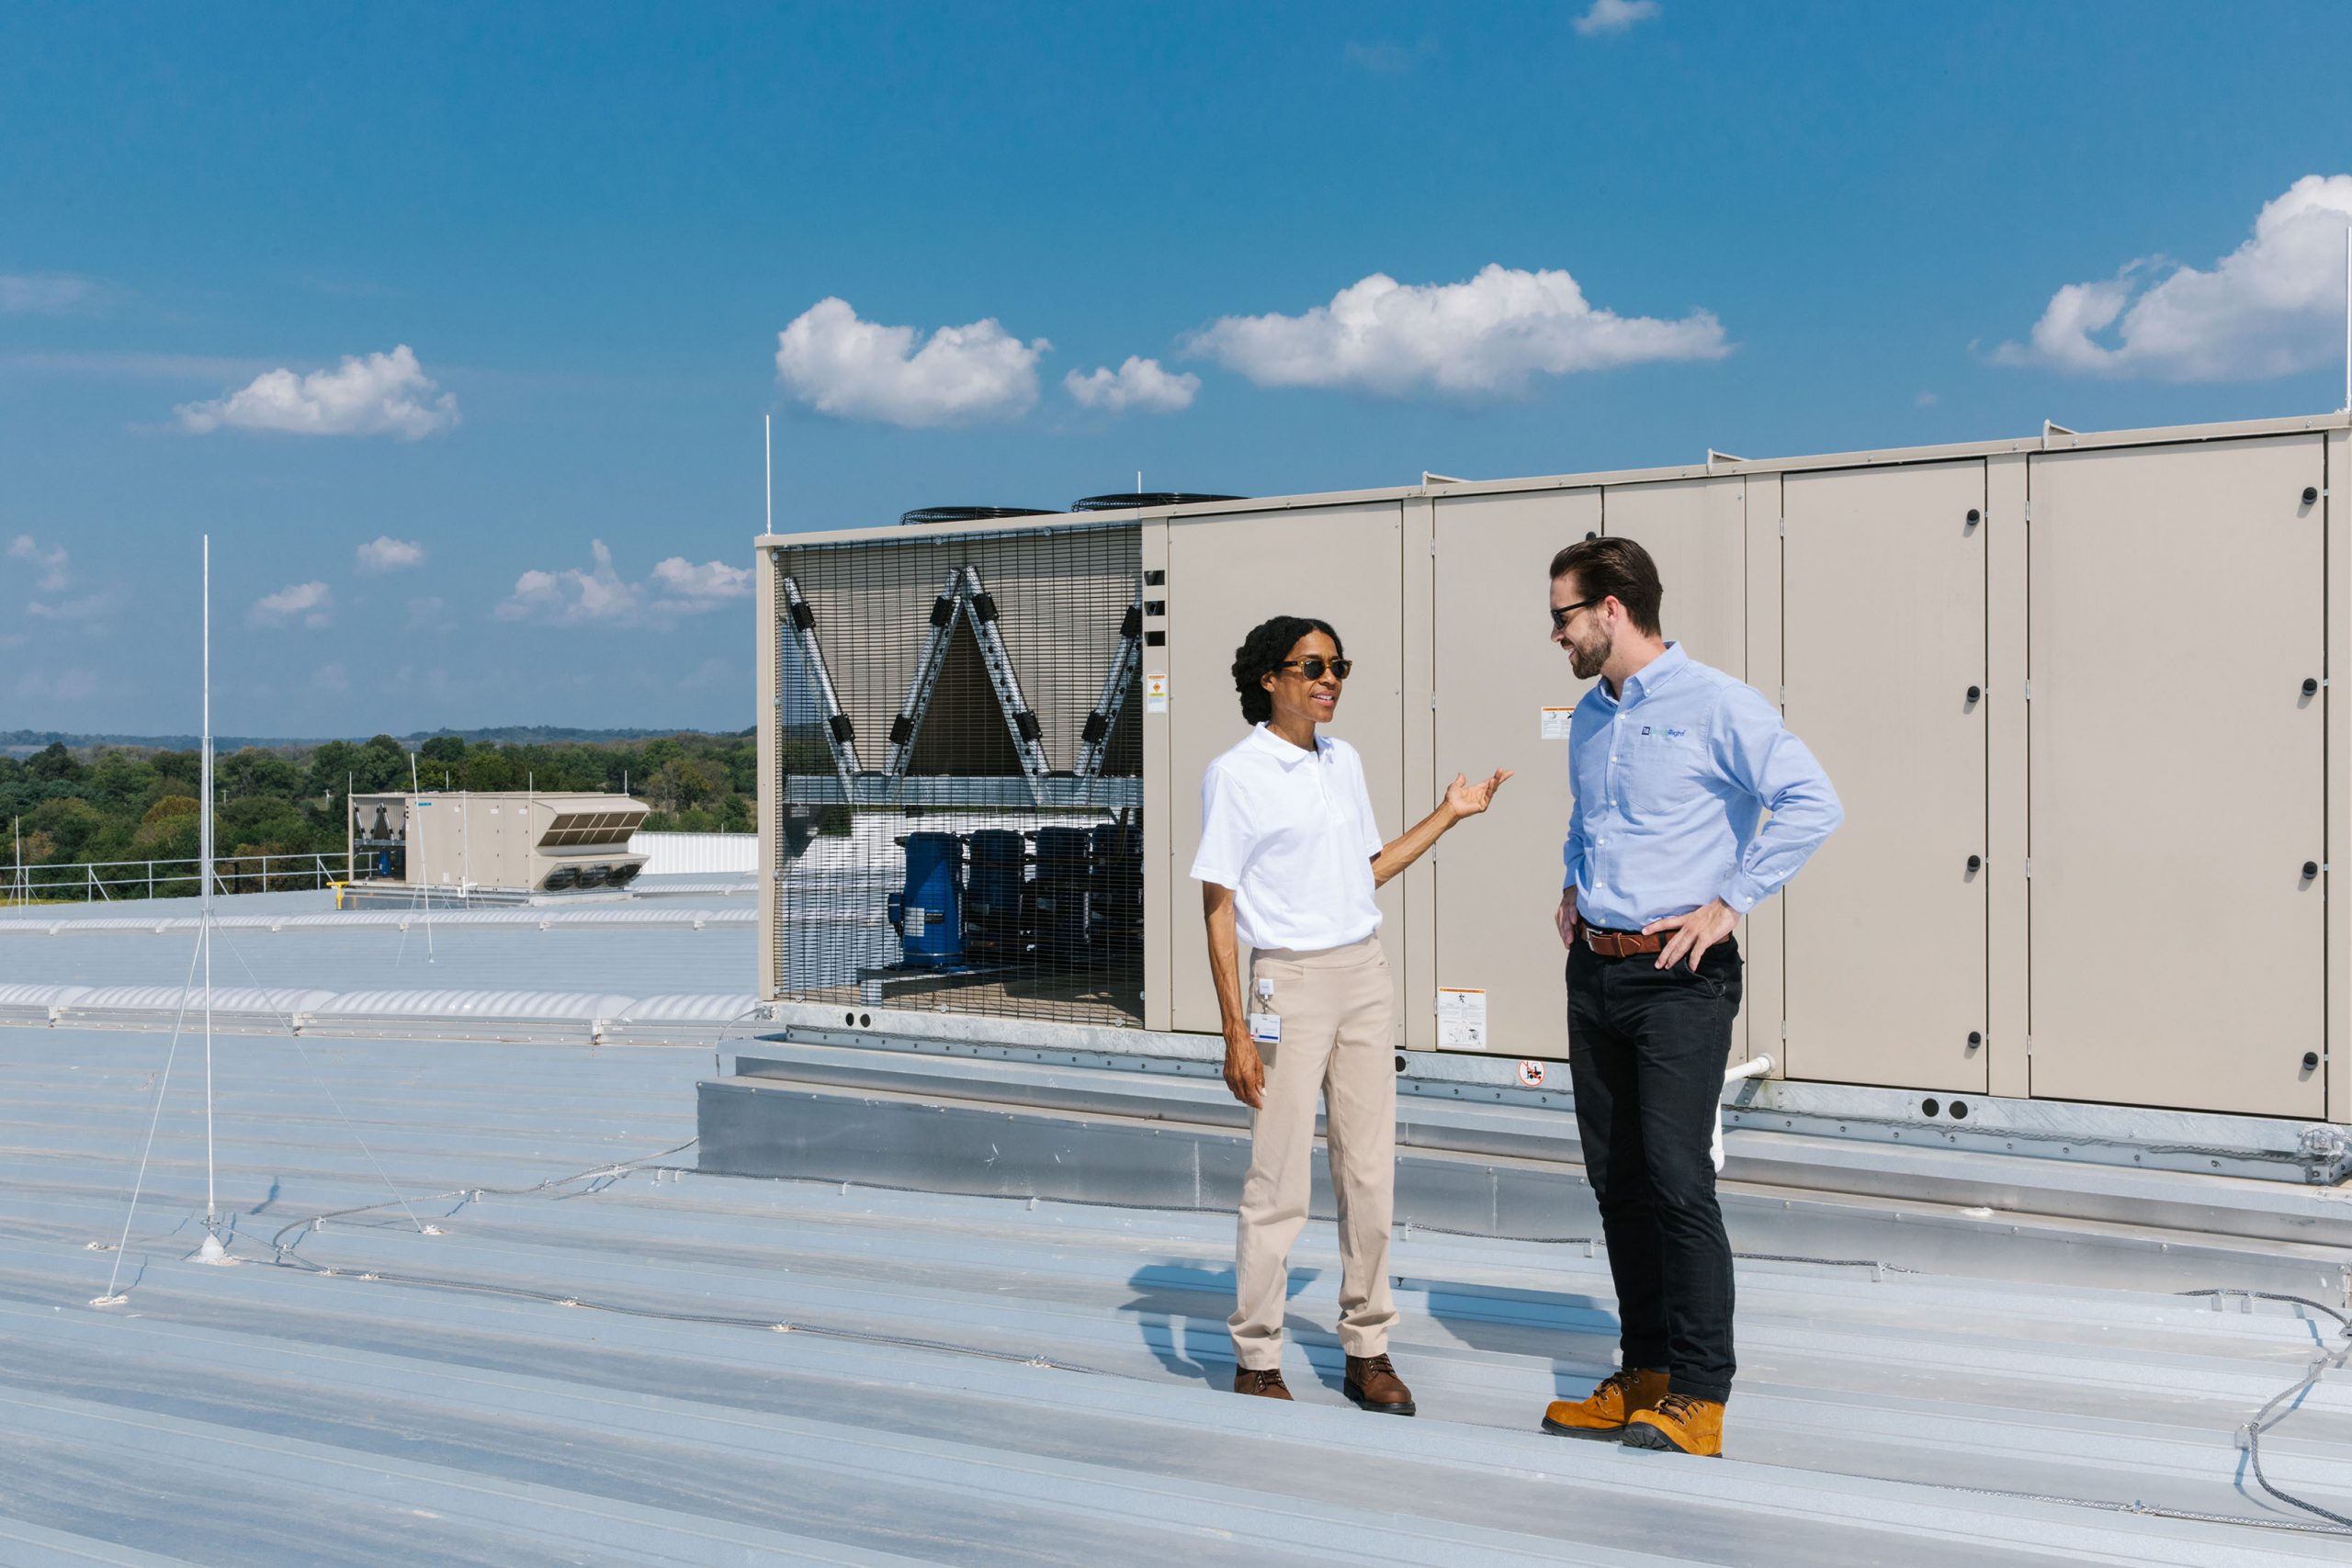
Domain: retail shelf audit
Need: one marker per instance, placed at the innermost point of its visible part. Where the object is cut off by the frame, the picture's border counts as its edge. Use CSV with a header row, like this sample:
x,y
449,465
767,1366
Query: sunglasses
x,y
1560,616
1313,667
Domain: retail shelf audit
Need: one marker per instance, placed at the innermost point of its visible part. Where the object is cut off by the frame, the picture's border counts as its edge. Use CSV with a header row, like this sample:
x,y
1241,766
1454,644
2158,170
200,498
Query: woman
x,y
1289,858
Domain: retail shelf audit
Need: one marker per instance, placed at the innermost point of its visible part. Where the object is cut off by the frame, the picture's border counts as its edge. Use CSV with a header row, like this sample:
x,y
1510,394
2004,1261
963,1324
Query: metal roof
x,y
561,1343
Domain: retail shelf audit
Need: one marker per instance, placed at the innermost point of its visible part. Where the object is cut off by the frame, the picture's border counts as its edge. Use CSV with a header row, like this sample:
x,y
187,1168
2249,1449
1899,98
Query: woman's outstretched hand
x,y
1466,799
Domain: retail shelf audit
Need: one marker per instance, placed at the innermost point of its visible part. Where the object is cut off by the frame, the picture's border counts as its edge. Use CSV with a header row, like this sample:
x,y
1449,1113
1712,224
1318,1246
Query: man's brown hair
x,y
1617,568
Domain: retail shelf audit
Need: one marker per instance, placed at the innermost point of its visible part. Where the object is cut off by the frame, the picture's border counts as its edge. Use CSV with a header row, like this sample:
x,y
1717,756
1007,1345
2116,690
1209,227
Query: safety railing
x,y
98,882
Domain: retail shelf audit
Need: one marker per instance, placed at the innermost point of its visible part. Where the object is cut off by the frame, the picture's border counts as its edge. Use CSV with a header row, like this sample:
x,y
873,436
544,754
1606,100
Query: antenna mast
x,y
212,1251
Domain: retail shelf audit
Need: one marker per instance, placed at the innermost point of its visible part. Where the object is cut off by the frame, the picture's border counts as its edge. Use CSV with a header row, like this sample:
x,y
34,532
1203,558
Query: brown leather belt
x,y
1622,944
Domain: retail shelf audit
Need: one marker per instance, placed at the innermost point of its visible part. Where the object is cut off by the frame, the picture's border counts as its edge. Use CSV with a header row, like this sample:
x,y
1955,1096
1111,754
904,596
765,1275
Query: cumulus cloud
x,y
312,603
2272,307
384,394
89,608
689,589
1607,16
1141,384
857,369
384,553
51,560
598,594
593,593
1487,337
44,294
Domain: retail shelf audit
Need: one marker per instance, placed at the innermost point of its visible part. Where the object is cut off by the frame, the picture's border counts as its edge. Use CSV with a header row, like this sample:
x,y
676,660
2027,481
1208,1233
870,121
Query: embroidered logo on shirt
x,y
1676,734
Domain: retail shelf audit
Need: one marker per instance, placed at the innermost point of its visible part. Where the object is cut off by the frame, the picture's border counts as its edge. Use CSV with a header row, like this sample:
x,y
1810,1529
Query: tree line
x,y
126,804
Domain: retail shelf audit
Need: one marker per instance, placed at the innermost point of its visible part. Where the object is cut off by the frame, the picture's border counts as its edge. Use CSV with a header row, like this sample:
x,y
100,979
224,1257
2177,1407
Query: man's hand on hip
x,y
1566,919
1695,933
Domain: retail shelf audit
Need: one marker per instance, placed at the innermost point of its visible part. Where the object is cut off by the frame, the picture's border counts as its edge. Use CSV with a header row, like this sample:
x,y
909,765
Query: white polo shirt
x,y
1291,832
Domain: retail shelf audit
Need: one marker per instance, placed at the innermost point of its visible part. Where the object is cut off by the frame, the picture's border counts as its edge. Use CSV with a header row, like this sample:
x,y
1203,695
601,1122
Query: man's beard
x,y
1585,661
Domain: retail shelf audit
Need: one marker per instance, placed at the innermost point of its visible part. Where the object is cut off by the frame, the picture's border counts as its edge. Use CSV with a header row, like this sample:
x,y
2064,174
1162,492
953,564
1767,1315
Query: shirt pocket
x,y
1661,766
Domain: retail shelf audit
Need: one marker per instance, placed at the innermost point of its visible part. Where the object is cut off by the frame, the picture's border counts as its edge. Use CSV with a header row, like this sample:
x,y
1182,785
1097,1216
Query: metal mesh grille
x,y
961,760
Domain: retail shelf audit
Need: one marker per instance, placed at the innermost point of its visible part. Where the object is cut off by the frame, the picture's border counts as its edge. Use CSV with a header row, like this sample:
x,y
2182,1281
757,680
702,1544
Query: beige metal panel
x,y
1695,530
1497,877
1422,781
767,649
1165,919
1884,596
1763,935
2005,781
2339,703
1233,571
2179,776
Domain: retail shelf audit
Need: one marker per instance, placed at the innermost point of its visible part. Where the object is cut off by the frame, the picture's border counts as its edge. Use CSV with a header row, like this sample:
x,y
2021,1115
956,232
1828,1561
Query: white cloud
x,y
1607,16
2272,307
1487,337
572,594
44,294
689,589
385,553
51,561
384,394
90,607
313,604
598,594
1138,384
850,368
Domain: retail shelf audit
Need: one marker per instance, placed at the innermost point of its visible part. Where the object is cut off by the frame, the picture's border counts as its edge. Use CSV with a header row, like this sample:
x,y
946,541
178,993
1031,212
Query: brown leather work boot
x,y
1373,1384
1266,1383
1604,1412
1679,1424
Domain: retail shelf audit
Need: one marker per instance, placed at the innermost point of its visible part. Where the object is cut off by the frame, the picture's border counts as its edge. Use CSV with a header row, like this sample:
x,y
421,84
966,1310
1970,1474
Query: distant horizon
x,y
26,742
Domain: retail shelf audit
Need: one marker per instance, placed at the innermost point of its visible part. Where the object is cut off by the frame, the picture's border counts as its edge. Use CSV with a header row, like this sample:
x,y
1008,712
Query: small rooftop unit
x,y
513,843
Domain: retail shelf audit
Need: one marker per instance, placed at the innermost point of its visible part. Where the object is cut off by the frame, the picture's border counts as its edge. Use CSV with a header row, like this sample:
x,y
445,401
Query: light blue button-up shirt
x,y
1671,777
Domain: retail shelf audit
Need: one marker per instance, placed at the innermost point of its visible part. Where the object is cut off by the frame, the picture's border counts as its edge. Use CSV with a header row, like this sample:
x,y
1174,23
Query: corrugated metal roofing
x,y
965,1378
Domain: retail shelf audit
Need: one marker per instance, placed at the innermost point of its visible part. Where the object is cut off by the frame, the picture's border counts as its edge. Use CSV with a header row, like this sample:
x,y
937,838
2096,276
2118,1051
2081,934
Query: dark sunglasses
x,y
1560,616
1313,667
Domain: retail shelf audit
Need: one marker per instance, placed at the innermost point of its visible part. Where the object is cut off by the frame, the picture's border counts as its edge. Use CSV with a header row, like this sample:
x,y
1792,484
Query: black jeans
x,y
1648,1050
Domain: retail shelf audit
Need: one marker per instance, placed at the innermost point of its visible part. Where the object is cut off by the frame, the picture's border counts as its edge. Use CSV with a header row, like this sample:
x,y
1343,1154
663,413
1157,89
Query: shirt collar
x,y
1282,750
1655,673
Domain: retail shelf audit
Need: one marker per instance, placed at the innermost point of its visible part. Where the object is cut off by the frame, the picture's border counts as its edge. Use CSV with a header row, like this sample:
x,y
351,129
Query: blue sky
x,y
1788,229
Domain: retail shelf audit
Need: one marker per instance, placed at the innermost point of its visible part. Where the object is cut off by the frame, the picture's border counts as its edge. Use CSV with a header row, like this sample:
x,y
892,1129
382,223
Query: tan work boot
x,y
1373,1384
1679,1424
1265,1383
1604,1412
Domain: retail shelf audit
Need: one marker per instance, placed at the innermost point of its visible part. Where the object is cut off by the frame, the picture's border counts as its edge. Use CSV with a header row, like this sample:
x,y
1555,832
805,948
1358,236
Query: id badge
x,y
1266,1028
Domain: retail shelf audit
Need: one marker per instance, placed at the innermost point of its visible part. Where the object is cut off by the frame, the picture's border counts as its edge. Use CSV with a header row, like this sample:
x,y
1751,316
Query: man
x,y
1671,763
1289,858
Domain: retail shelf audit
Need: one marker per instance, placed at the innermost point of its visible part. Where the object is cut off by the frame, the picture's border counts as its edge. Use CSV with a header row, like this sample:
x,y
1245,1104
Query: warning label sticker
x,y
1461,1020
1556,722
1155,691
1531,1074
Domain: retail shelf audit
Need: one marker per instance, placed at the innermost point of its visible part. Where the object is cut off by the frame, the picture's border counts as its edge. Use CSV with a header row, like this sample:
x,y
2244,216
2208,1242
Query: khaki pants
x,y
1337,1010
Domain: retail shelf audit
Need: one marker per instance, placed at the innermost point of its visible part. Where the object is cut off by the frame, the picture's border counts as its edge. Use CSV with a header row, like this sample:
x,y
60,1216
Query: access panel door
x,y
2178,775
1504,691
1696,531
1882,595
1226,573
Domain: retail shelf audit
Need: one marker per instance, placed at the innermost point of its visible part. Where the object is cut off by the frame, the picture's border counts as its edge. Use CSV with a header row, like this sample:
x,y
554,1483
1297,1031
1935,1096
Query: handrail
x,y
81,880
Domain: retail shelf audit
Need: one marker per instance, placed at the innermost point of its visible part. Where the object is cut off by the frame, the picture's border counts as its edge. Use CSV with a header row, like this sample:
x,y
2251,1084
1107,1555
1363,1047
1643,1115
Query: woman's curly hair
x,y
1262,653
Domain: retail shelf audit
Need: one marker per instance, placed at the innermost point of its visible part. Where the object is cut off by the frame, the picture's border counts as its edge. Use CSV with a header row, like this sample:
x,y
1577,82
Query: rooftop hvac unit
x,y
959,716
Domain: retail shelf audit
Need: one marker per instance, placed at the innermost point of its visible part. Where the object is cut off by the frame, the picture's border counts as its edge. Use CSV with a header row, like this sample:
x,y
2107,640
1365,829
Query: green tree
x,y
55,764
